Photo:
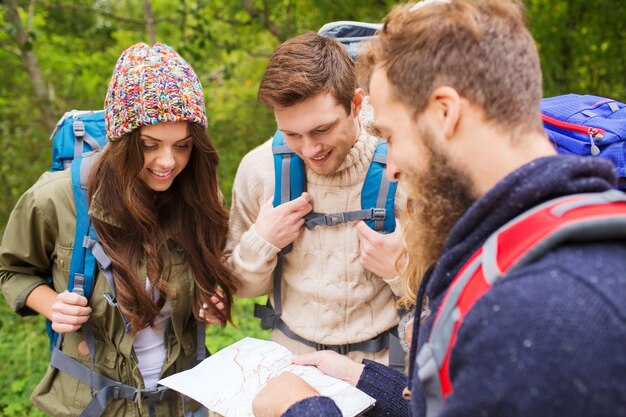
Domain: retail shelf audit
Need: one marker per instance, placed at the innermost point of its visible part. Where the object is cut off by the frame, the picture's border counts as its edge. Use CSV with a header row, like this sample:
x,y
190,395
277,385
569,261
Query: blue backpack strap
x,y
289,184
378,192
83,264
289,181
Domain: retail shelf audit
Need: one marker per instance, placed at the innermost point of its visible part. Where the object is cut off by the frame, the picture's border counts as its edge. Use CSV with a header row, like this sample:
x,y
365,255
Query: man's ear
x,y
445,103
357,101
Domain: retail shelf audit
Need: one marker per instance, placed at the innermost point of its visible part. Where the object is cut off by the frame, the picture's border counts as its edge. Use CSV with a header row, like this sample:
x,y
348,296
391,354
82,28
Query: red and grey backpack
x,y
575,218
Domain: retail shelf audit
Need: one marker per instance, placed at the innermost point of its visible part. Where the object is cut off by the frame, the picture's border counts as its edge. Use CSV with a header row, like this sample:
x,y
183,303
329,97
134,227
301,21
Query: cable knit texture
x,y
328,297
548,339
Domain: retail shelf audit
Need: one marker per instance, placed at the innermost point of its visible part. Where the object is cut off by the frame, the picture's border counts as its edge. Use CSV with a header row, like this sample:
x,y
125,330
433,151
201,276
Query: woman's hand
x,y
206,313
69,312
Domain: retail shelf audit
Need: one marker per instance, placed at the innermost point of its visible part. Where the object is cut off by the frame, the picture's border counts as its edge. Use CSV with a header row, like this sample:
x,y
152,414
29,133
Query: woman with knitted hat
x,y
156,208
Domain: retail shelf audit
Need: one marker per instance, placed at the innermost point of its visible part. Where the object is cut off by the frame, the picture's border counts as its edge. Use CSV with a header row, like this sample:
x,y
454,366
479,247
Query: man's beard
x,y
438,195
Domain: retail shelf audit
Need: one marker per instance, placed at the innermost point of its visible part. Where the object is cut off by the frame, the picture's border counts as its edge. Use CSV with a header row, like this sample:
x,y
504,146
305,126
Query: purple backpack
x,y
589,126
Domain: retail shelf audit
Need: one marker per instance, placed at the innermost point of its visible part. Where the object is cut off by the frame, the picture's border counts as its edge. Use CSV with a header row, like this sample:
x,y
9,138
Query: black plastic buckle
x,y
156,395
333,219
379,213
116,392
341,349
267,315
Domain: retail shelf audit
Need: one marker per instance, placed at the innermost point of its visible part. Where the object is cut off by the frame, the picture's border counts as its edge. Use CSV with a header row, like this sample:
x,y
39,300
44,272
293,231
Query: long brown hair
x,y
189,218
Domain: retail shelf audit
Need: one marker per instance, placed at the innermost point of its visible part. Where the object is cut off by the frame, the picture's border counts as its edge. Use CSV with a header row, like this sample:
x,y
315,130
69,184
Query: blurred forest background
x,y
58,55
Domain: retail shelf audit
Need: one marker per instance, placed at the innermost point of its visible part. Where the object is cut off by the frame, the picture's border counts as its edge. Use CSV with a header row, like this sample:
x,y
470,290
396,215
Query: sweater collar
x,y
534,183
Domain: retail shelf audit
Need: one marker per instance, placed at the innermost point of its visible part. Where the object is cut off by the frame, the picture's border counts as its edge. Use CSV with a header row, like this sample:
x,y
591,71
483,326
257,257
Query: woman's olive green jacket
x,y
37,243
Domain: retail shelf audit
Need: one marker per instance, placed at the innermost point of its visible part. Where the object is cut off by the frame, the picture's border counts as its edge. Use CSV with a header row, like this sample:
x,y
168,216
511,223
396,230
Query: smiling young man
x,y
456,86
338,282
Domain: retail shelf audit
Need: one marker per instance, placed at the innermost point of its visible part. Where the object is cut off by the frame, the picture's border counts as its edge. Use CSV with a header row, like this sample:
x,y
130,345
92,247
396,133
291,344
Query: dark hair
x,y
188,218
305,66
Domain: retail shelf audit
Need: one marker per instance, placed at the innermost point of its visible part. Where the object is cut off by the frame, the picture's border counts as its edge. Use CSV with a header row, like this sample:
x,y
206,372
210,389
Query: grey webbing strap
x,y
268,314
93,144
281,149
383,191
104,263
613,106
315,219
584,230
98,403
611,196
381,158
448,314
285,184
588,113
200,341
90,340
381,201
396,353
77,370
277,284
89,158
428,374
373,345
78,127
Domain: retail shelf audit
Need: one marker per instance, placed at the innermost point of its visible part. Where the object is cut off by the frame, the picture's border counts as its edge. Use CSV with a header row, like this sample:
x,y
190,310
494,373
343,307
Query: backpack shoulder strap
x,y
289,182
579,217
378,192
83,263
377,199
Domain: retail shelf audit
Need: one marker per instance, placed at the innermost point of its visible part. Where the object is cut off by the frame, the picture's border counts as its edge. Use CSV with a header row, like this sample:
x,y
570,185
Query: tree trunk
x,y
149,18
31,64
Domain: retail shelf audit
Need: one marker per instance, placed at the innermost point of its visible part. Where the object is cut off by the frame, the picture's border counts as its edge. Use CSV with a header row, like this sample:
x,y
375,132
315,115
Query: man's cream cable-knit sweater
x,y
328,297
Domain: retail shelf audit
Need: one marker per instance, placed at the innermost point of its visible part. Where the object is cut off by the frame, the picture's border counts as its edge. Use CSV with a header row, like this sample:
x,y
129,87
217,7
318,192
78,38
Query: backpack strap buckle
x,y
113,303
333,219
79,129
341,349
379,213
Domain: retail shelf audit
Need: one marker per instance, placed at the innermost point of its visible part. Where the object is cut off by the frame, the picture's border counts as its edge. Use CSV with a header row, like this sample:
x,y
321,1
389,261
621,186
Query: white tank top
x,y
149,345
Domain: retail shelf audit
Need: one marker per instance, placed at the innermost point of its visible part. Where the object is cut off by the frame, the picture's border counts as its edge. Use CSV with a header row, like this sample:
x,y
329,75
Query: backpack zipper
x,y
594,133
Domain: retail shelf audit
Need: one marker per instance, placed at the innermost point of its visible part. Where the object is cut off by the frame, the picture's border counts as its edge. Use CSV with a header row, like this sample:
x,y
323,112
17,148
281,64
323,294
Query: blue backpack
x,y
76,140
589,126
76,133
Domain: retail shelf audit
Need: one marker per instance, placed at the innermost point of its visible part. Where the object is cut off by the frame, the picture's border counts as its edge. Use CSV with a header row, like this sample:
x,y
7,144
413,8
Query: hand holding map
x,y
228,381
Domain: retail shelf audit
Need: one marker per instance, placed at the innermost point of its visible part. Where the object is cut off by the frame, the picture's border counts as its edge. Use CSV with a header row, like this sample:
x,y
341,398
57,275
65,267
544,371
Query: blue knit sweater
x,y
548,340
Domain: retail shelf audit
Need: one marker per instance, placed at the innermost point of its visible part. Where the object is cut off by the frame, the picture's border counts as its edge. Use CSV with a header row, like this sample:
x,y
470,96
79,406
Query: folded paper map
x,y
228,381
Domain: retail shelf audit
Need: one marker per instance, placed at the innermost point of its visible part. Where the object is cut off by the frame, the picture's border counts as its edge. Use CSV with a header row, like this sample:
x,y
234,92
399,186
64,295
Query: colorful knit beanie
x,y
152,85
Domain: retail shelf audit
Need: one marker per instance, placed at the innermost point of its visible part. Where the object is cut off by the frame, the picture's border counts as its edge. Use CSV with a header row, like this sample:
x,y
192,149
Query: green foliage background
x,y
58,55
